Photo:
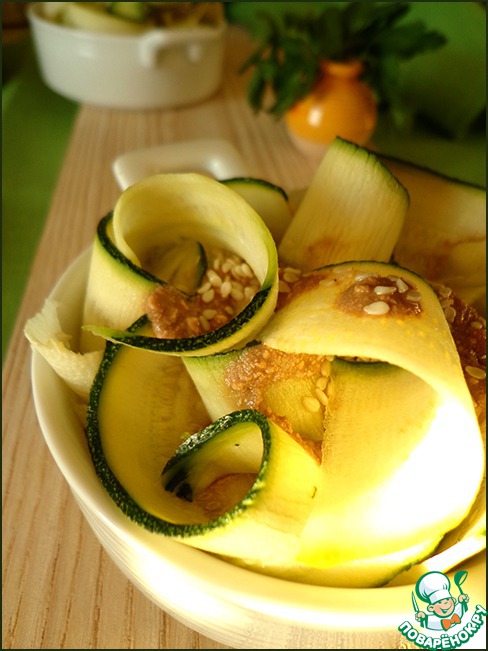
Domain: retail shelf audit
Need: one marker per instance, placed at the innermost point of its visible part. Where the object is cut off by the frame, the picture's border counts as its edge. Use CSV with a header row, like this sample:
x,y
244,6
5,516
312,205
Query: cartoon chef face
x,y
443,608
434,589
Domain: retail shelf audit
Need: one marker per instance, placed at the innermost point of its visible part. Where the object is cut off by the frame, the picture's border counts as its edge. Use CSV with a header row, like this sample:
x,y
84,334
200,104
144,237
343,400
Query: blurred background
x,y
446,86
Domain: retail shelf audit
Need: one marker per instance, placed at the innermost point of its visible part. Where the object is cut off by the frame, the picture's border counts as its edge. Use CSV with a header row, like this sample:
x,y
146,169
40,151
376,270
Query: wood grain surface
x,y
60,589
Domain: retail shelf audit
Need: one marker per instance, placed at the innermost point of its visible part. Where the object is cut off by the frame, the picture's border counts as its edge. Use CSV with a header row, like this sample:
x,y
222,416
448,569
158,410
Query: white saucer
x,y
214,157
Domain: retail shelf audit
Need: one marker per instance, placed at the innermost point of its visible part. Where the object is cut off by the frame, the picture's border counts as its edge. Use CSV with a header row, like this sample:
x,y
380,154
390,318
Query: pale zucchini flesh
x,y
353,209
182,266
155,214
141,407
268,200
360,573
444,235
113,278
421,348
284,394
93,17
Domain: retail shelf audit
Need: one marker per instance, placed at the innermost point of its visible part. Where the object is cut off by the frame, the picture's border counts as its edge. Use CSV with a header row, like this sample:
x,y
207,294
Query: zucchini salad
x,y
294,382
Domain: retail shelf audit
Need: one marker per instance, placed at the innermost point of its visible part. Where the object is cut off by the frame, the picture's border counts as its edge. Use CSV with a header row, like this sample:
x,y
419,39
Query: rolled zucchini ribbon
x,y
150,216
140,403
402,453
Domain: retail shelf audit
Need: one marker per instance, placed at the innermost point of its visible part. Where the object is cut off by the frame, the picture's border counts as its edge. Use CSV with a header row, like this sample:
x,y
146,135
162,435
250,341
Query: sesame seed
x,y
311,404
246,270
402,285
445,292
322,382
290,277
377,308
328,282
204,323
283,287
449,313
414,296
361,277
204,288
325,368
208,296
229,310
477,325
475,372
237,293
214,278
249,292
321,397
446,302
209,314
384,290
225,288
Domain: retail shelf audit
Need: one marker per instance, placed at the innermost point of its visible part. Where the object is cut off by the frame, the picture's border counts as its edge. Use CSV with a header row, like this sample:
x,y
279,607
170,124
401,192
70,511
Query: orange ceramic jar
x,y
339,105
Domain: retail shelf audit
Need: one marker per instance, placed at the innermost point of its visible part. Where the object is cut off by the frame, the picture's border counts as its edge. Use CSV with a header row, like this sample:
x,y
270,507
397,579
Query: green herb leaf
x,y
287,61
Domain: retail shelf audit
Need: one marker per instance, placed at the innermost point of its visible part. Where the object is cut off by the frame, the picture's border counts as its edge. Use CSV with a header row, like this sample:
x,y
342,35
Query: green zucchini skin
x,y
237,526
270,201
107,243
201,344
196,208
115,488
174,474
388,161
271,513
251,181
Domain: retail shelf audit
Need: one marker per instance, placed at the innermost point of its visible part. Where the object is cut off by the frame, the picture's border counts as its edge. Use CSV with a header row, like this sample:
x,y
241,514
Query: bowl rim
x,y
322,608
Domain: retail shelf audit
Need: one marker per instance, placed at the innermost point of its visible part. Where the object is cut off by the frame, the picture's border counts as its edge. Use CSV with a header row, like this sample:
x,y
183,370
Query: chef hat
x,y
433,586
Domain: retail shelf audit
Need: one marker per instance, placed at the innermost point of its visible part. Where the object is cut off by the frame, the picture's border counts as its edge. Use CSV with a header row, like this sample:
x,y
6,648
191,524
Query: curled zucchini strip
x,y
141,406
400,429
444,235
150,217
47,337
353,209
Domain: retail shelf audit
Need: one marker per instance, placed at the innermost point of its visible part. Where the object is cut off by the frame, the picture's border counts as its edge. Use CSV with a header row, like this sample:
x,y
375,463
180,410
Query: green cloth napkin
x,y
36,124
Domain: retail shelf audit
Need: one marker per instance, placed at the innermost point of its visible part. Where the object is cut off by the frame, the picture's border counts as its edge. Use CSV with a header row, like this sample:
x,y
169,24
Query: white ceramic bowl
x,y
161,68
229,604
